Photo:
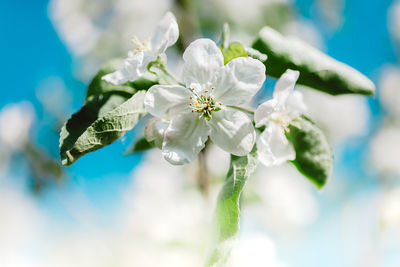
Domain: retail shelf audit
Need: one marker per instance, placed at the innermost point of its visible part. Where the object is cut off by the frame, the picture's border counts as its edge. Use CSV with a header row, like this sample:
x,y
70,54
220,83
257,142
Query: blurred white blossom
x,y
394,20
281,198
389,92
22,226
167,214
177,223
15,123
54,96
75,20
340,117
245,12
255,251
385,150
217,161
332,12
306,31
390,210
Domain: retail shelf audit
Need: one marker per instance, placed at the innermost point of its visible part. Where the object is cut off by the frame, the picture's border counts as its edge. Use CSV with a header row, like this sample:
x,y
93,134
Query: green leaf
x,y
317,70
141,145
93,128
313,153
234,50
98,87
228,207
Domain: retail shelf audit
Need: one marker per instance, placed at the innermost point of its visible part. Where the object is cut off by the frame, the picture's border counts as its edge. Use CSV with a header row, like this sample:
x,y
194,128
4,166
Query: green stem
x,y
165,71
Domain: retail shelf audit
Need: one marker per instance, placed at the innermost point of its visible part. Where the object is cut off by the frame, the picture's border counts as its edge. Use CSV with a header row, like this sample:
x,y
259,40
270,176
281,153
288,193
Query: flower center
x,y
282,118
140,46
204,104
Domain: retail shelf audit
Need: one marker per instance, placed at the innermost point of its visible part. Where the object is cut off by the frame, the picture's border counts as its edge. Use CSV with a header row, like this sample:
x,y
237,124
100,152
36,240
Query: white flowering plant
x,y
212,102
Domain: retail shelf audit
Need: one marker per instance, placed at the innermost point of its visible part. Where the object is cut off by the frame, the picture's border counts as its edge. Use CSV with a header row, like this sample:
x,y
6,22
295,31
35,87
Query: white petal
x,y
167,101
239,81
166,34
233,131
264,112
285,85
184,138
154,131
134,67
203,61
296,104
116,77
273,147
147,58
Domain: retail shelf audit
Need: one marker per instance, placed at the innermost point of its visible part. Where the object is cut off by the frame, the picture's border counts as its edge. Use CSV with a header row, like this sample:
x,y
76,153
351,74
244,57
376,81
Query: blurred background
x,y
111,209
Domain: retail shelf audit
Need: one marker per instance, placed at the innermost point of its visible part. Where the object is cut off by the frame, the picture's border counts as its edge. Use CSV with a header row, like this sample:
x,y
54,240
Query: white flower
x,y
165,35
204,107
276,114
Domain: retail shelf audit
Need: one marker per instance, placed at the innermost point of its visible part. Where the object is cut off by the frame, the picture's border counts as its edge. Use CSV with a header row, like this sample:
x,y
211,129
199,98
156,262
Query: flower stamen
x,y
283,119
140,46
204,104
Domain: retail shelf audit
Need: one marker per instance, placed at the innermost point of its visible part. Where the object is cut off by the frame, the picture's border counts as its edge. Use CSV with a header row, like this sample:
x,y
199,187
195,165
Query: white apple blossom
x,y
165,35
206,106
276,114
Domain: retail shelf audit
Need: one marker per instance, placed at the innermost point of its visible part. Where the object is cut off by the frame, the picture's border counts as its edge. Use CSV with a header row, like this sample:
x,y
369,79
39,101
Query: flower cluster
x,y
209,102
